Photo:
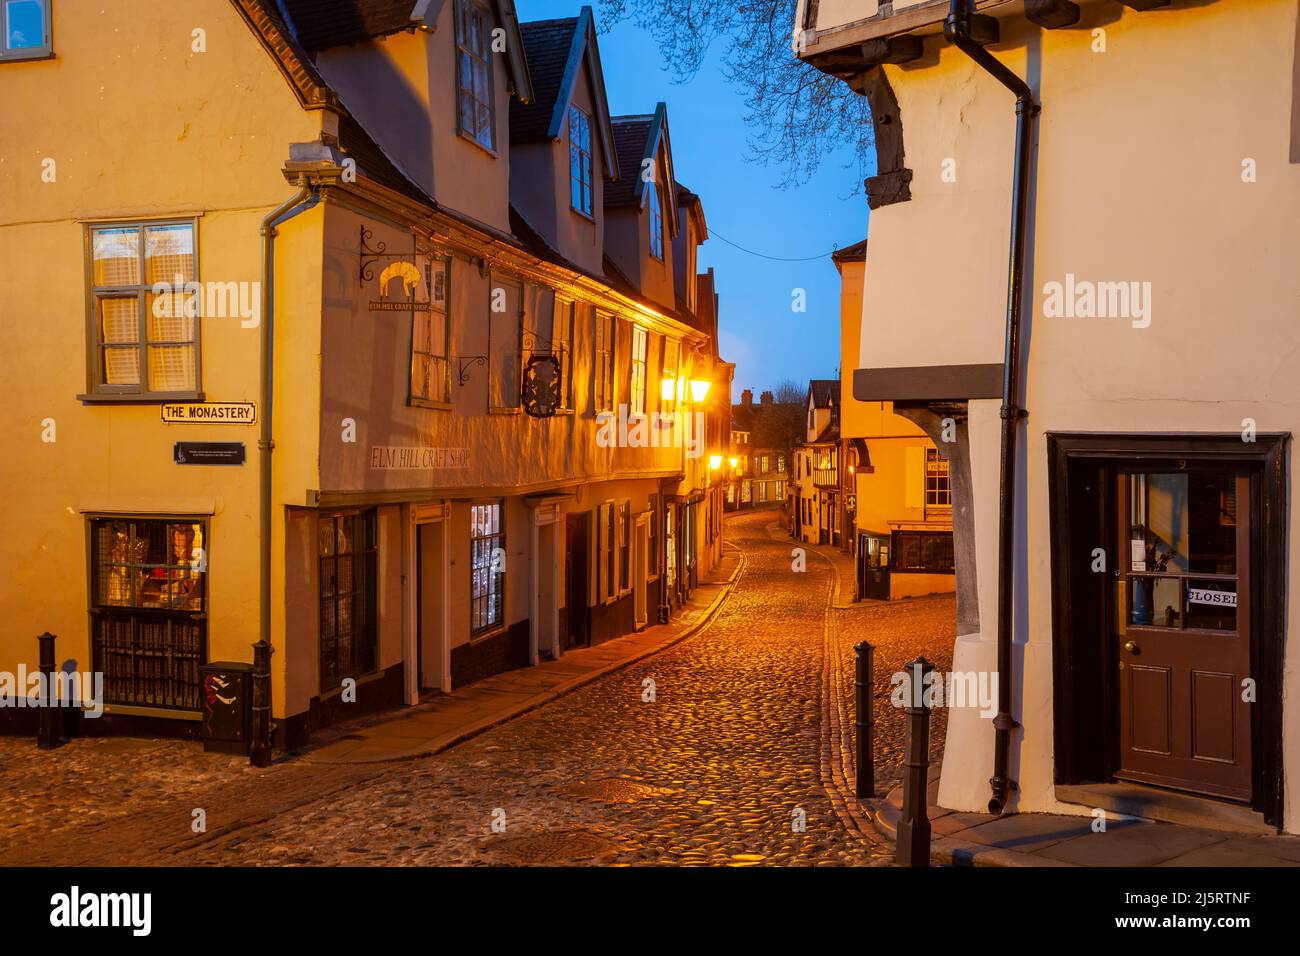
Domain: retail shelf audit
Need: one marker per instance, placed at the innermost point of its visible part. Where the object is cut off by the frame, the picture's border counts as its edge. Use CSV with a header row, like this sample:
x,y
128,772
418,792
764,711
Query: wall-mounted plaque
x,y
208,452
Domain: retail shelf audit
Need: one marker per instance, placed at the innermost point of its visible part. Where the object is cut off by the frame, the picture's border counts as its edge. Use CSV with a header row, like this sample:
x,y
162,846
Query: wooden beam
x,y
1052,14
1145,4
901,49
984,30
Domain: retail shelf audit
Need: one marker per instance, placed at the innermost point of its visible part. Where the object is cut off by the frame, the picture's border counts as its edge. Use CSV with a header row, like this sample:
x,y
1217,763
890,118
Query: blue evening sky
x,y
759,331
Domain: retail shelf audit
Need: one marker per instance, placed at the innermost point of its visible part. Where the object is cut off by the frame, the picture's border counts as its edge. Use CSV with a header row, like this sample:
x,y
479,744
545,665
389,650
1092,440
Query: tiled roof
x,y
854,253
263,16
374,163
321,24
631,137
825,392
546,47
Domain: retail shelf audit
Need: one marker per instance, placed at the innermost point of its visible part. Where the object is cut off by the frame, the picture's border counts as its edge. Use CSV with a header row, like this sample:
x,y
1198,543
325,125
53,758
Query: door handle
x,y
1132,648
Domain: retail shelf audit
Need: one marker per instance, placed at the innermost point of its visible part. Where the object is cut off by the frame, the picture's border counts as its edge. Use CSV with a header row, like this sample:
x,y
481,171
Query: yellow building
x,y
898,497
296,355
1083,254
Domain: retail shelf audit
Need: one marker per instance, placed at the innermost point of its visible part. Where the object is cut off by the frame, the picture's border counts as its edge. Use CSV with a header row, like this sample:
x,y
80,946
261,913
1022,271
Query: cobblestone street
x,y
746,738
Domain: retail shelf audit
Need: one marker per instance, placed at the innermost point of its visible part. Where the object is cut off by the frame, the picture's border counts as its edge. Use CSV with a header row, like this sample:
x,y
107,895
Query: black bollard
x,y
866,767
47,737
259,752
913,847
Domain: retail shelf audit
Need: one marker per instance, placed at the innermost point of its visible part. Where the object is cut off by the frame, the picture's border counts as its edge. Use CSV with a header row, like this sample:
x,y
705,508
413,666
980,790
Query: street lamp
x,y
715,462
699,389
732,462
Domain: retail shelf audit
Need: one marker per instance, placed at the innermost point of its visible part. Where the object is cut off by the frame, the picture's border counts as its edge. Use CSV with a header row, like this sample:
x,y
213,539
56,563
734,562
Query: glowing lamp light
x,y
667,389
699,389
715,462
733,462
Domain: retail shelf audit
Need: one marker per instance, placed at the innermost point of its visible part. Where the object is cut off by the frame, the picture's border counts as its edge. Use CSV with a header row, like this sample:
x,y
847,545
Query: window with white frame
x,y
668,376
580,162
938,487
26,30
603,368
505,329
656,222
144,309
562,343
476,106
430,335
637,400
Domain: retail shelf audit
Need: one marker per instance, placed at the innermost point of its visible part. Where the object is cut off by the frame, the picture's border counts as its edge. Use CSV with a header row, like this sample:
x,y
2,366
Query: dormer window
x,y
476,106
656,223
580,164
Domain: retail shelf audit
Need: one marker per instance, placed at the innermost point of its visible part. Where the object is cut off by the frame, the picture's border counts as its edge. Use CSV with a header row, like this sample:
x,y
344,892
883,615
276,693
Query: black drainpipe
x,y
956,29
261,754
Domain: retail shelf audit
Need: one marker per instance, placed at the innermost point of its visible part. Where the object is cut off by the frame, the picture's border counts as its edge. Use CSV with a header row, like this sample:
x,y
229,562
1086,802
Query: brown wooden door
x,y
1183,630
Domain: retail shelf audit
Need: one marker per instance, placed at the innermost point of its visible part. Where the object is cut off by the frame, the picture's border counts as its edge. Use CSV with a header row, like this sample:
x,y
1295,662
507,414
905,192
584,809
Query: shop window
x,y
624,545
144,310
927,551
148,609
487,568
476,111
347,550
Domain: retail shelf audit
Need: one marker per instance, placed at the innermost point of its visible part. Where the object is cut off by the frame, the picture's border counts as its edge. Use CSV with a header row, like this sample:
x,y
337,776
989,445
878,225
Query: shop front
x,y
1168,609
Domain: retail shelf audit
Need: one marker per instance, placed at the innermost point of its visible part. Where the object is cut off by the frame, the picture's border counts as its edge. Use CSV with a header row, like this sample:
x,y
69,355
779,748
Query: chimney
x,y
766,399
747,399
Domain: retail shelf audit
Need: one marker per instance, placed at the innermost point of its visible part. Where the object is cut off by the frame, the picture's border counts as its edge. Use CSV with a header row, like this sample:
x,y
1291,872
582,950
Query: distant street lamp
x,y
715,462
733,462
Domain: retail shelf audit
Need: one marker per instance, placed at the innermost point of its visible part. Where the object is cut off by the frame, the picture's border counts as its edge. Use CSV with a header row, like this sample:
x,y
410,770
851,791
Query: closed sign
x,y
1204,596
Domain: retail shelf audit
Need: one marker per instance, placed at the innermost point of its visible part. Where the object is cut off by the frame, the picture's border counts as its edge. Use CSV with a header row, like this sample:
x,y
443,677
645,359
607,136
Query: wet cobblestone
x,y
720,768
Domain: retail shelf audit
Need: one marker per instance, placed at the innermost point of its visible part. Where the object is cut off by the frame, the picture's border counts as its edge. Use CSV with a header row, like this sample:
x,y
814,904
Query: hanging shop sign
x,y
209,413
542,386
208,452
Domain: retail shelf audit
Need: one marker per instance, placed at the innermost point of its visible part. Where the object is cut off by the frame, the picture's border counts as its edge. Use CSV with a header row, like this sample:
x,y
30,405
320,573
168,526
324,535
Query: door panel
x,y
1183,630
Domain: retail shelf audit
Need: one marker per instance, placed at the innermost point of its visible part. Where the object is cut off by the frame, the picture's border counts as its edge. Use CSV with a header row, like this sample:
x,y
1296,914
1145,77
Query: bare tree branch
x,y
797,115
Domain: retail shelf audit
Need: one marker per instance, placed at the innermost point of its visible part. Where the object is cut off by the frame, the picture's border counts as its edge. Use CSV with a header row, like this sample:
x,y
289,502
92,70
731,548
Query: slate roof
x,y
631,137
825,392
546,47
321,24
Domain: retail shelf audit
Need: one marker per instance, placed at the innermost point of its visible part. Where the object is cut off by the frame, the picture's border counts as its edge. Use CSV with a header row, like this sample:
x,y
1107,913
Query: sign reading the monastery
x,y
210,413
208,452
416,458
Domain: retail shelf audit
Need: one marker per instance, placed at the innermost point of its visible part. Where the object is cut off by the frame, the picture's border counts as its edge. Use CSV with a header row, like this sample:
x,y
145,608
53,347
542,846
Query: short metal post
x,y
913,847
47,737
866,767
259,753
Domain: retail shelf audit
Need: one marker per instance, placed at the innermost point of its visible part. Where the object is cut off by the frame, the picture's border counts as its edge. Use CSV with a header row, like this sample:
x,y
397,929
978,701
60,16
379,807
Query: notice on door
x,y
1208,596
209,413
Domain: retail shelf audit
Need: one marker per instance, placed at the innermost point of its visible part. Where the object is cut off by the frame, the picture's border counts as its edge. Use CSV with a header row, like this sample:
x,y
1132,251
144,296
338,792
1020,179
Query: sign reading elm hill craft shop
x,y
417,458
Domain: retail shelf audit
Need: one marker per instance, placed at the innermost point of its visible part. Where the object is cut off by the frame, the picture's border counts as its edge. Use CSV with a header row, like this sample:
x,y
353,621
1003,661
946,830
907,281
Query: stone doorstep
x,y
374,742
1045,839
